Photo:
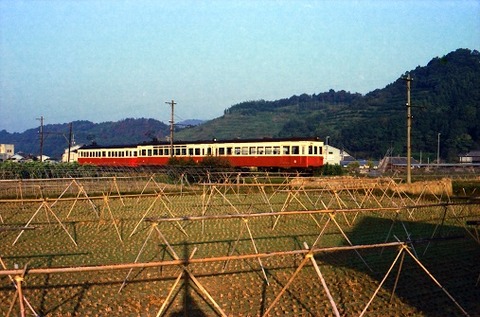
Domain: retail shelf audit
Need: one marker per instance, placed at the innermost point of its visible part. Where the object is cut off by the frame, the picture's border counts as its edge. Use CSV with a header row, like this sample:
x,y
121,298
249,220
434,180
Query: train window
x,y
144,152
276,150
295,149
177,151
134,153
268,150
237,151
315,150
166,151
221,151
244,150
285,150
260,150
229,151
253,150
184,151
319,150
209,151
160,151
197,151
155,152
310,149
149,152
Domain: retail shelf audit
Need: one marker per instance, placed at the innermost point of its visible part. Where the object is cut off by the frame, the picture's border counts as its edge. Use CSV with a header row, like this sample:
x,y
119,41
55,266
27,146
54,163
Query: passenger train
x,y
283,153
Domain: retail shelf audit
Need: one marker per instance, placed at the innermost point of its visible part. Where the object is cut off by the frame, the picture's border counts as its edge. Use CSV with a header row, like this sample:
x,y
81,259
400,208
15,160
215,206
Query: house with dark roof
x,y
395,162
470,157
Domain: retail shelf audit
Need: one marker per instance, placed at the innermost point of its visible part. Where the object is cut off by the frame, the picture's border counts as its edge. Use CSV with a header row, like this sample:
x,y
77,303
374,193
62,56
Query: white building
x,y
73,154
6,151
333,155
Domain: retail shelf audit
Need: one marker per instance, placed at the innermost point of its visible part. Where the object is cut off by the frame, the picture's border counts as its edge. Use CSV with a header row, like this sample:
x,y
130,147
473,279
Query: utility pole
x,y
172,103
438,149
326,154
41,138
69,142
409,129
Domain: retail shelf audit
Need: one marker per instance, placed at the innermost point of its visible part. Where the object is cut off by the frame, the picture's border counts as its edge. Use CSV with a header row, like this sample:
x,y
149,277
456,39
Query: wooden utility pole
x,y
409,129
41,138
172,103
69,142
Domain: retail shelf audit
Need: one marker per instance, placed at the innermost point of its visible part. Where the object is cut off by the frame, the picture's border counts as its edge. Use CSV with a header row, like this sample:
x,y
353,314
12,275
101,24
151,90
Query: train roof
x,y
213,141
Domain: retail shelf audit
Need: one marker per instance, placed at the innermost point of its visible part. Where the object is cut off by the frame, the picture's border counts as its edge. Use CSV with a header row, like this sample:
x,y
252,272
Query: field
x,y
235,246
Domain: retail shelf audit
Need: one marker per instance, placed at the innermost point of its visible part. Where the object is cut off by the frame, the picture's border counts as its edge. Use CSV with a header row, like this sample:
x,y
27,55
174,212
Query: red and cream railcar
x,y
277,153
124,155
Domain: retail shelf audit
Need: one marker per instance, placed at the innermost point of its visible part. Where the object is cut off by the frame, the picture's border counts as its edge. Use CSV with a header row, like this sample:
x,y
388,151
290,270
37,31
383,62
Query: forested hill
x,y
445,98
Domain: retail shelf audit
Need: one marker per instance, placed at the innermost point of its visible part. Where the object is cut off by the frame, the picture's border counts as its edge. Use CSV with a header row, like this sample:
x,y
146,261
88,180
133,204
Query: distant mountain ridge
x,y
56,136
445,98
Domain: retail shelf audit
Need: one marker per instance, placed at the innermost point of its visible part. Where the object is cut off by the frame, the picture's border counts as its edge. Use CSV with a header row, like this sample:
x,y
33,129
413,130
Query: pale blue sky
x,y
109,60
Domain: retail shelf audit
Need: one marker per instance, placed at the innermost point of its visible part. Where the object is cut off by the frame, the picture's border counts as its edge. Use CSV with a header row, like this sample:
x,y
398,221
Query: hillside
x,y
445,98
295,116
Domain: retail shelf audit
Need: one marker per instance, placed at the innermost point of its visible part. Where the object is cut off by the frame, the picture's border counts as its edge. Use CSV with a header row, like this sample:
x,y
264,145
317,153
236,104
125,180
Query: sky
x,y
107,60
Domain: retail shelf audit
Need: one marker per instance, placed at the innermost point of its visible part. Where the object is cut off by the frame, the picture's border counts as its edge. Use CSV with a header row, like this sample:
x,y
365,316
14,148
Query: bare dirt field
x,y
140,247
